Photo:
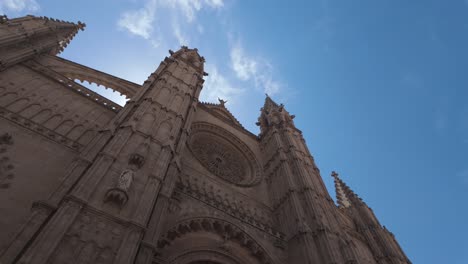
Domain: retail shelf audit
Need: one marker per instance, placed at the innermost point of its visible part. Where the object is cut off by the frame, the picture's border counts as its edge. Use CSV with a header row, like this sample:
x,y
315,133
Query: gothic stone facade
x,y
164,179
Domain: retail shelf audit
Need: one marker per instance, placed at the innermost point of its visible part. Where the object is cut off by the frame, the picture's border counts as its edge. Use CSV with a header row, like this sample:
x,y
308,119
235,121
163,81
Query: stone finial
x,y
81,25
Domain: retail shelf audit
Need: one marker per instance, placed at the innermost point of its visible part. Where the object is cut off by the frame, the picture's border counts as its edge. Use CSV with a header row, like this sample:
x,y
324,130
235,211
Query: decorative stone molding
x,y
40,129
223,228
119,194
242,210
224,155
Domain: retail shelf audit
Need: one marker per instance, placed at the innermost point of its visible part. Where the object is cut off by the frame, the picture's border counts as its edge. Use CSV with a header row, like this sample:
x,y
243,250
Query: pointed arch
x,y
146,123
164,95
30,110
18,105
164,130
226,230
64,127
75,132
7,98
53,121
41,116
86,137
177,102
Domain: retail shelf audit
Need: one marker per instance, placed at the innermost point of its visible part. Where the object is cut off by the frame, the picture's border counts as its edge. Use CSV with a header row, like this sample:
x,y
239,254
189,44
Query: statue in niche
x,y
125,180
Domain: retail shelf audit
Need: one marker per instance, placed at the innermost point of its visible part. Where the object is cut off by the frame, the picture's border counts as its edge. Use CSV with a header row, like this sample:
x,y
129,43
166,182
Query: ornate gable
x,y
220,111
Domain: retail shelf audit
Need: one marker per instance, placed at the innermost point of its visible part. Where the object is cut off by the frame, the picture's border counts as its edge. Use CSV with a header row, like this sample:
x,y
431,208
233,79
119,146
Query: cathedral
x,y
166,179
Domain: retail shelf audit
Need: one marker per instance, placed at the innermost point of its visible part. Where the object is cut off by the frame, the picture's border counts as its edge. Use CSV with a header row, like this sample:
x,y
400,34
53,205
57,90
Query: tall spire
x,y
25,37
344,195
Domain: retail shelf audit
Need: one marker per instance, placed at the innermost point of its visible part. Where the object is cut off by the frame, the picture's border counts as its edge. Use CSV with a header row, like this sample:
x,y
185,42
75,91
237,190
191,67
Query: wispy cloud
x,y
179,19
180,14
258,70
217,86
139,22
182,39
18,6
189,8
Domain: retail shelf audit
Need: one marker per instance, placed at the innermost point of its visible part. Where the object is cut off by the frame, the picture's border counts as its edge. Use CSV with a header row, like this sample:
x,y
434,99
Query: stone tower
x,y
165,179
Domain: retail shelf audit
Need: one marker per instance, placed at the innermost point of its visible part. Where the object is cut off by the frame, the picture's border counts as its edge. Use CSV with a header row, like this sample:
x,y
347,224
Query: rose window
x,y
220,159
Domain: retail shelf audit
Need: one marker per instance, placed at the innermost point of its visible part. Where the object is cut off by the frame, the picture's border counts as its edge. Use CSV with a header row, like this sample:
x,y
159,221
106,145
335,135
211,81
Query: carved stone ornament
x,y
219,158
119,194
224,155
125,180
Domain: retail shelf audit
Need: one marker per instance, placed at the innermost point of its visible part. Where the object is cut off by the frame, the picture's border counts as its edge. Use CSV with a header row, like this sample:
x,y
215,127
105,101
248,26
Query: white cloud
x,y
244,67
18,6
178,34
190,7
217,86
139,22
258,70
142,22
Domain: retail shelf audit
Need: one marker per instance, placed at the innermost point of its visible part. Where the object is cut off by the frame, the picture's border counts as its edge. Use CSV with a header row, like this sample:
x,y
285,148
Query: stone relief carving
x,y
119,193
125,180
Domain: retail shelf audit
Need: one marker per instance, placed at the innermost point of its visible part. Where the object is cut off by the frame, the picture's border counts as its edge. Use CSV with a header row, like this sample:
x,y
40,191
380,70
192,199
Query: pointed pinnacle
x,y
269,103
342,191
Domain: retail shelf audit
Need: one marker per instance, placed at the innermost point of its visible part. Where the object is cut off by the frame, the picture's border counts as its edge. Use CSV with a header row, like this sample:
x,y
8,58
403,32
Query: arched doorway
x,y
207,240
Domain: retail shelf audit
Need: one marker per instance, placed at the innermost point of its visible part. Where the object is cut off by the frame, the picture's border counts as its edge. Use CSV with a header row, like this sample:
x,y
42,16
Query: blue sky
x,y
379,88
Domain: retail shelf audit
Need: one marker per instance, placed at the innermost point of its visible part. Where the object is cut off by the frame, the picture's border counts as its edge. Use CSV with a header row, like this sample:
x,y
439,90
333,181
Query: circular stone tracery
x,y
224,155
222,160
